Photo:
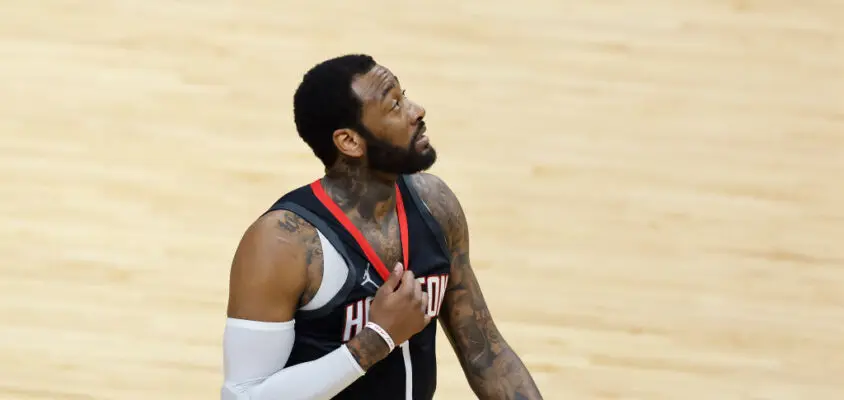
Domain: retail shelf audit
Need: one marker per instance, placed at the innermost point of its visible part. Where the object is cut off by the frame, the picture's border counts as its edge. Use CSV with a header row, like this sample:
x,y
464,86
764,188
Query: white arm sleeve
x,y
254,355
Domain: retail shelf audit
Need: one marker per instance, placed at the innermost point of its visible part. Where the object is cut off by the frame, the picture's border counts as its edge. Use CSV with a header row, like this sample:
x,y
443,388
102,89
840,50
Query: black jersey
x,y
410,371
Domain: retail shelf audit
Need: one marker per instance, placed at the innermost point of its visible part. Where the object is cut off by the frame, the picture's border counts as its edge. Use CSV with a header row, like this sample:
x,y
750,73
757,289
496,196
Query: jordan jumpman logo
x,y
366,277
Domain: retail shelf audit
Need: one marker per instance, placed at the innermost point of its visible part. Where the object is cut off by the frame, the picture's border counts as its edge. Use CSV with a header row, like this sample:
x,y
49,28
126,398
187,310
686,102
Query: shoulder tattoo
x,y
308,238
445,208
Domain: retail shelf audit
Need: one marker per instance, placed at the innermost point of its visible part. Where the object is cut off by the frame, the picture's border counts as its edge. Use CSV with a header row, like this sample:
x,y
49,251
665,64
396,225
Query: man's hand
x,y
399,306
493,369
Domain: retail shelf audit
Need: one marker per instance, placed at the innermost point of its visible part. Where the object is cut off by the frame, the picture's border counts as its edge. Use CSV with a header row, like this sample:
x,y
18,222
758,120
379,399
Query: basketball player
x,y
334,289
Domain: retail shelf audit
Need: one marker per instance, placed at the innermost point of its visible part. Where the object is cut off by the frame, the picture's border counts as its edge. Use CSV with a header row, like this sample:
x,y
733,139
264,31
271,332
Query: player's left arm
x,y
491,366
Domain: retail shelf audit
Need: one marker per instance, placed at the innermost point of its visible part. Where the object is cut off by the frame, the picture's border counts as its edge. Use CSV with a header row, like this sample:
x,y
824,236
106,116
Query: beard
x,y
388,158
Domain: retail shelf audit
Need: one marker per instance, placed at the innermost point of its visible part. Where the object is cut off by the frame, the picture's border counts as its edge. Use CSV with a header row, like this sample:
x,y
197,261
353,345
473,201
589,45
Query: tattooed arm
x,y
493,369
277,267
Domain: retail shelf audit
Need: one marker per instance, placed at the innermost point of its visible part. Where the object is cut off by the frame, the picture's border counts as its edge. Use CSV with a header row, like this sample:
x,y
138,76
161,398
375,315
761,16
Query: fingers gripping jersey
x,y
410,371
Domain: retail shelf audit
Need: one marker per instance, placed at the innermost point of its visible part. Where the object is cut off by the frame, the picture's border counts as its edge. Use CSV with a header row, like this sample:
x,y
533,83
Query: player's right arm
x,y
276,269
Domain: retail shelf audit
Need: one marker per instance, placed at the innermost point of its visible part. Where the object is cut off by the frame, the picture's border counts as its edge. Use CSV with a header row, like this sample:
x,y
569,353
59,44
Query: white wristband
x,y
381,332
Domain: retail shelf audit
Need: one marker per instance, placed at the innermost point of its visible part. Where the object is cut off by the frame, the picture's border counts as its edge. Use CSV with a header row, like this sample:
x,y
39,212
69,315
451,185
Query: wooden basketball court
x,y
655,188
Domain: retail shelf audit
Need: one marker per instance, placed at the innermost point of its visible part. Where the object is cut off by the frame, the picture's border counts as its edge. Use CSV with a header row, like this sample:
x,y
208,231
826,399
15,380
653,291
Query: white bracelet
x,y
381,332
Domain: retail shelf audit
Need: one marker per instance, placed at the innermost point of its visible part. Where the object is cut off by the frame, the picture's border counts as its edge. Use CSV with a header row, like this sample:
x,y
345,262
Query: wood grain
x,y
654,187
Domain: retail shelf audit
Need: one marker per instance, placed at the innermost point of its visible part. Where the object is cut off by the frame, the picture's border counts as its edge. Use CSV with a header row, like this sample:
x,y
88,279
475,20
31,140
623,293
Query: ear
x,y
349,143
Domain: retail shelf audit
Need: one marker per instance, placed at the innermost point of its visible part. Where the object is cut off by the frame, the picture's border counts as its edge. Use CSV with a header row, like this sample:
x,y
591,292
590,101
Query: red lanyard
x,y
376,262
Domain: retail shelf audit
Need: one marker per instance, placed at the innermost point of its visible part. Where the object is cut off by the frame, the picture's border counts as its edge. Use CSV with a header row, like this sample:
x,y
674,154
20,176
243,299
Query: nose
x,y
418,113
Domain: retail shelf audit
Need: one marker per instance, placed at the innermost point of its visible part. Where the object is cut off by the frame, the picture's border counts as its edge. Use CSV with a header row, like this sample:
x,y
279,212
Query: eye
x,y
397,103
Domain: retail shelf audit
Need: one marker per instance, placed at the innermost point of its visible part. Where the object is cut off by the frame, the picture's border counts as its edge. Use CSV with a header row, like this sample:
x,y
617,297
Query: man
x,y
334,288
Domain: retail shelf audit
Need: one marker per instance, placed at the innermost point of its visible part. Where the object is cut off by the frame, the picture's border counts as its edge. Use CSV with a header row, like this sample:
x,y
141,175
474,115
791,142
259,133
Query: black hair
x,y
325,102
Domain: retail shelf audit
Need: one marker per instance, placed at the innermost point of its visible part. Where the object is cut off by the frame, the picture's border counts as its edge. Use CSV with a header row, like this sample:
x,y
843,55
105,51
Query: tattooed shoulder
x,y
444,206
301,232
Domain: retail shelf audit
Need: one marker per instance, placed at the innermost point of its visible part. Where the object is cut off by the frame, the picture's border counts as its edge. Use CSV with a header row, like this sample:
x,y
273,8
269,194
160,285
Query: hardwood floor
x,y
654,188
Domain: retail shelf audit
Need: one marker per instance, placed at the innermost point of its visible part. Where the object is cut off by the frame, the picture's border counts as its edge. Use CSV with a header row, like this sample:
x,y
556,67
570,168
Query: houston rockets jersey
x,y
410,371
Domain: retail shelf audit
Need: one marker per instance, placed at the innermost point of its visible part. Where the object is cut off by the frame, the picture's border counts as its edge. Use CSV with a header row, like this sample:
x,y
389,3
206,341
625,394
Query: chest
x,y
384,238
348,311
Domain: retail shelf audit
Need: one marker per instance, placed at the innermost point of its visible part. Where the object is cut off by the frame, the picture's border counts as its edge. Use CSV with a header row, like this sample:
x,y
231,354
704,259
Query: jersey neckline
x,y
371,255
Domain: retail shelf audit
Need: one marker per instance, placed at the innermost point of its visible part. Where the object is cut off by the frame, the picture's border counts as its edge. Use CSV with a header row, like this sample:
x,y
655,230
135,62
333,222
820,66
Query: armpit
x,y
314,270
330,273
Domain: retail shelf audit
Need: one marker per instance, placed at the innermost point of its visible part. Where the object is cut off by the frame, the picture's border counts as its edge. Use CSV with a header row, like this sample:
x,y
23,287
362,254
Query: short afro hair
x,y
325,102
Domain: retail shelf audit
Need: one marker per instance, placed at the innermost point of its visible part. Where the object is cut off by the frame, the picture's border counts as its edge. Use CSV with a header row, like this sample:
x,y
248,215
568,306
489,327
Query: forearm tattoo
x,y
493,369
367,347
